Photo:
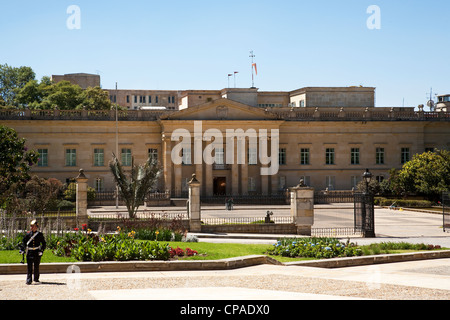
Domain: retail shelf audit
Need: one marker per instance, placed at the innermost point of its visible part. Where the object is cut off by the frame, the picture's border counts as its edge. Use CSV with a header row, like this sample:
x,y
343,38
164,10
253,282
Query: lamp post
x,y
368,210
367,176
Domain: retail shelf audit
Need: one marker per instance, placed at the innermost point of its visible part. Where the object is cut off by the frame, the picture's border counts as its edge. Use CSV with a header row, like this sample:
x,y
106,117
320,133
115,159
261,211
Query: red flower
x,y
76,229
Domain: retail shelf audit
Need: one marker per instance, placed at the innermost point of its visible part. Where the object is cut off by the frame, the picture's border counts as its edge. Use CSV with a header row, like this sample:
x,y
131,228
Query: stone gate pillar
x,y
81,198
194,206
302,208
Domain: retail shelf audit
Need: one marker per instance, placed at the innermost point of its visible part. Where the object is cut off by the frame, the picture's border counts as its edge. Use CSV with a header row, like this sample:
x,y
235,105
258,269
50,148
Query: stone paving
x,y
413,280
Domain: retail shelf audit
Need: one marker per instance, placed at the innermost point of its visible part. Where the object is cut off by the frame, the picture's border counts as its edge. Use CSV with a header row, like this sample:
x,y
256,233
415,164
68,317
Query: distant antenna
x,y
430,102
253,77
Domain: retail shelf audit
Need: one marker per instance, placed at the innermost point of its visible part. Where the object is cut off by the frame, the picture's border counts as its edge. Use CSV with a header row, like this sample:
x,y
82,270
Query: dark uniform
x,y
34,250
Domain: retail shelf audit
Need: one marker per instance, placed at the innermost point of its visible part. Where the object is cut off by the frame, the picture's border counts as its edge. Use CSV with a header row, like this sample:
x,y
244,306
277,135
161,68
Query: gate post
x,y
302,208
81,199
194,207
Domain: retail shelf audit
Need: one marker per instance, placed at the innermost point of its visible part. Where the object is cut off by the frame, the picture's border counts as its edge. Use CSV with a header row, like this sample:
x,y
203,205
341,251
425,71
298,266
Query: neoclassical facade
x,y
231,142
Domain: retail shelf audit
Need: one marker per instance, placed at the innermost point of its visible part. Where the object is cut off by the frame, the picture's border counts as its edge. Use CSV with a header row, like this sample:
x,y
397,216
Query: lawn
x,y
217,251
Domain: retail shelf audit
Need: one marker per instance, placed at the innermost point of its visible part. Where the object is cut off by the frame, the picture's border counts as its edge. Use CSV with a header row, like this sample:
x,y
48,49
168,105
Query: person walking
x,y
34,244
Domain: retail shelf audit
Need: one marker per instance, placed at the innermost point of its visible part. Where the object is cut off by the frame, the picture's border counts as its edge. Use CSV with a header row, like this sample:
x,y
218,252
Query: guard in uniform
x,y
34,244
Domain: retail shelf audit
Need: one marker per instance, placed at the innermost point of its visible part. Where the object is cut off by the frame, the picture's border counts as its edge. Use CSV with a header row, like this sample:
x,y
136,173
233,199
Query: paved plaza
x,y
412,280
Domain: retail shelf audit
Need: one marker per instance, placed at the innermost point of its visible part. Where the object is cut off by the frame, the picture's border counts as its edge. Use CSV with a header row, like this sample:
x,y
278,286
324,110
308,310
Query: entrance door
x,y
220,186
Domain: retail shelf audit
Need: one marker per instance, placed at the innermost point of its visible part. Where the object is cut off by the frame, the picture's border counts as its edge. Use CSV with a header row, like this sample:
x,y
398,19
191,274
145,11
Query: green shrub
x,y
318,248
403,203
114,247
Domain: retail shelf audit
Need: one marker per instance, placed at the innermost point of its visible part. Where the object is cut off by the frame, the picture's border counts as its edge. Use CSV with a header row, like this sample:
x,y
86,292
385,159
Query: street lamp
x,y
367,176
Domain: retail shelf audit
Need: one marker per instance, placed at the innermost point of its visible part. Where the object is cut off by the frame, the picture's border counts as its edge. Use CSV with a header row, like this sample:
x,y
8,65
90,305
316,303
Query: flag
x,y
256,70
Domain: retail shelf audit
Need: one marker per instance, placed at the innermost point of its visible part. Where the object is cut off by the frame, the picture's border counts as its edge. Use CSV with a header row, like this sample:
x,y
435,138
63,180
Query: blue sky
x,y
194,44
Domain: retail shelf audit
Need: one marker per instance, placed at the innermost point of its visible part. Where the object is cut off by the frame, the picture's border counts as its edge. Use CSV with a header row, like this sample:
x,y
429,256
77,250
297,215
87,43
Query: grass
x,y
13,256
217,251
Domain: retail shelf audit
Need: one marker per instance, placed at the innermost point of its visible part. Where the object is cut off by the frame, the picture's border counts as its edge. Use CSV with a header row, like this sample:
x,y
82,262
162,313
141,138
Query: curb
x,y
135,266
225,264
370,260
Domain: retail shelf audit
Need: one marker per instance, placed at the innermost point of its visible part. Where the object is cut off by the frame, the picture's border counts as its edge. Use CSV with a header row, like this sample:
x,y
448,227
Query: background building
x,y
327,146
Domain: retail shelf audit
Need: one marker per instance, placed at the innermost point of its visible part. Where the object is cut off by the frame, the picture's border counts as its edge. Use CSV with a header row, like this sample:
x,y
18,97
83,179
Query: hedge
x,y
403,203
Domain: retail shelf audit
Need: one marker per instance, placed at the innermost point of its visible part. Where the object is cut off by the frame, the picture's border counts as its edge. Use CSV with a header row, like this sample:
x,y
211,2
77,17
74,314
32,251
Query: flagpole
x,y
253,77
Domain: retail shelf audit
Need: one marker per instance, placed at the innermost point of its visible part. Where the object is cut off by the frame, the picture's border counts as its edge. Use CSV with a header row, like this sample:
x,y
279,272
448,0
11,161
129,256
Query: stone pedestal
x,y
194,207
81,199
302,208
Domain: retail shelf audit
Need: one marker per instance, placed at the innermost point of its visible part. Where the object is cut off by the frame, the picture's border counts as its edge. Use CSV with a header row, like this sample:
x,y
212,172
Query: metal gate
x,y
446,211
364,214
359,223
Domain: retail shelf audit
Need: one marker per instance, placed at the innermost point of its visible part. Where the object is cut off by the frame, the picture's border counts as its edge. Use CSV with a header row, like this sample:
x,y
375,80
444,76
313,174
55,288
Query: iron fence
x,y
446,211
336,232
245,220
326,197
364,214
260,199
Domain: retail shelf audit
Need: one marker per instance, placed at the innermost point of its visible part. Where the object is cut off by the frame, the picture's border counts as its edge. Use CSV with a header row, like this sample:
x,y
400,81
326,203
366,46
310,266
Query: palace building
x,y
327,136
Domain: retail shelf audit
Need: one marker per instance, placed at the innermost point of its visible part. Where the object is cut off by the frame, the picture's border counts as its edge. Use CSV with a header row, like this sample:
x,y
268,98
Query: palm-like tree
x,y
135,186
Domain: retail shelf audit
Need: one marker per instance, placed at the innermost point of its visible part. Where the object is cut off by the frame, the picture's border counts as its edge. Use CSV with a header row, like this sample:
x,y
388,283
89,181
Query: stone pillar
x,y
302,208
194,206
81,198
167,162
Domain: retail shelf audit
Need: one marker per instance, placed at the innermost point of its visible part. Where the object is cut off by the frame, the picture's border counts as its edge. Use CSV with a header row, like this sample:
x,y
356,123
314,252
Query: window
x,y
304,156
219,156
71,157
379,156
282,156
153,154
186,156
126,157
135,99
43,158
354,156
330,182
99,184
252,156
156,99
185,185
99,157
405,155
380,179
251,184
329,156
429,149
354,181
128,99
281,183
149,99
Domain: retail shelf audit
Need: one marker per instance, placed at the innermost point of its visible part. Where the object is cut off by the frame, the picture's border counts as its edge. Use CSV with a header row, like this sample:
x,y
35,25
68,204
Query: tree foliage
x,y
427,173
12,80
15,163
20,89
137,184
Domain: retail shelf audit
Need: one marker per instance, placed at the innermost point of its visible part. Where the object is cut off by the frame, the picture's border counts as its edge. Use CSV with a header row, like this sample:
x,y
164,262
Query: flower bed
x,y
318,248
121,246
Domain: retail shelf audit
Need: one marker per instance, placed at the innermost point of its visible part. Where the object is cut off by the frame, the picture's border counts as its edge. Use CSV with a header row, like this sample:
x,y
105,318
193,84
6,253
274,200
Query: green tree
x,y
95,99
12,80
427,173
42,194
65,96
135,186
15,164
33,95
